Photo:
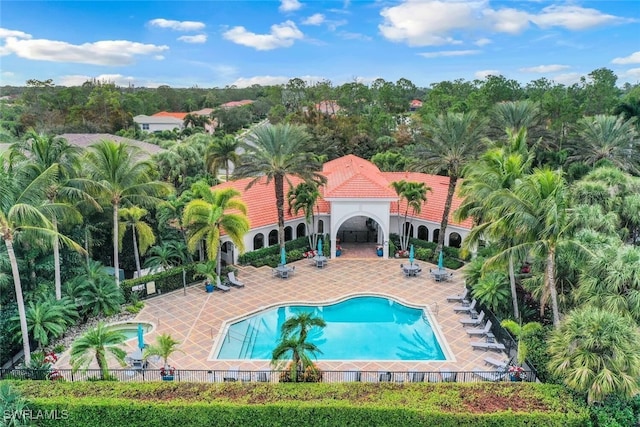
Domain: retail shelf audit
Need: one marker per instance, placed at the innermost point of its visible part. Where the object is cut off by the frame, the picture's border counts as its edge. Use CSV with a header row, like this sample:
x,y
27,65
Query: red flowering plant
x,y
517,372
167,371
310,254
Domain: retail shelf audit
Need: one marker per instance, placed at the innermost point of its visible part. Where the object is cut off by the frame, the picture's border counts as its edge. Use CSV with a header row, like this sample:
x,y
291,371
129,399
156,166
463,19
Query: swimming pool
x,y
130,329
358,328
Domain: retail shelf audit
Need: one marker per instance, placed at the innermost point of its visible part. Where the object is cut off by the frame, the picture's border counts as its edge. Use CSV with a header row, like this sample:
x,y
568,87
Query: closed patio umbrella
x,y
320,247
283,256
140,336
441,261
411,254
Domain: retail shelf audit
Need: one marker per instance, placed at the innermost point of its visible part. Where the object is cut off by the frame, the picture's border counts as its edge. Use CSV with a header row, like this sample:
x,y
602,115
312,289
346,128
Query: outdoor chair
x,y
465,308
479,345
490,375
459,298
231,375
233,281
498,363
473,321
220,286
480,332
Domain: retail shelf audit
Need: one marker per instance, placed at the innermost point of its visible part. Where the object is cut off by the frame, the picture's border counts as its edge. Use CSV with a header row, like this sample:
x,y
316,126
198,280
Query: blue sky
x,y
220,43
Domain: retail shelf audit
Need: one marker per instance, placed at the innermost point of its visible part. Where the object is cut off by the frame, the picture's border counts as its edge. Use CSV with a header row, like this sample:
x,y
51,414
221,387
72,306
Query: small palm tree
x,y
143,236
293,343
222,152
415,195
597,352
165,346
95,291
49,319
96,343
521,332
168,254
303,197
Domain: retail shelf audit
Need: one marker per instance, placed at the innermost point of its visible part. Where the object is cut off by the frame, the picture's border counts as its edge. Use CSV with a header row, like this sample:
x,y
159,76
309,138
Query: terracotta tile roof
x,y
432,210
233,104
180,116
347,177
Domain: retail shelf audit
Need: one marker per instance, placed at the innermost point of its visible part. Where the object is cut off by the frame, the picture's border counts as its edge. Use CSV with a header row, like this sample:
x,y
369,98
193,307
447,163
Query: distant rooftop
x,y
85,140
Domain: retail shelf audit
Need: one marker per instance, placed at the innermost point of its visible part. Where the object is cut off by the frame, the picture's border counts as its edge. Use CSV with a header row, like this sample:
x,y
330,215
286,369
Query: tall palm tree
x,y
222,152
122,179
277,152
597,352
143,236
452,140
415,195
20,214
206,218
608,137
516,115
536,211
38,153
96,343
303,197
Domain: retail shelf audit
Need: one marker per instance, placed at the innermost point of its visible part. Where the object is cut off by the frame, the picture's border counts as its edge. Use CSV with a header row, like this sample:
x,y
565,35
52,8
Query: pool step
x,y
251,331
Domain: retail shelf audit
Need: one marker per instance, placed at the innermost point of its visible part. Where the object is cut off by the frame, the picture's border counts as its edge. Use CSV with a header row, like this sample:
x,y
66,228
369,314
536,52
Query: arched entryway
x,y
359,235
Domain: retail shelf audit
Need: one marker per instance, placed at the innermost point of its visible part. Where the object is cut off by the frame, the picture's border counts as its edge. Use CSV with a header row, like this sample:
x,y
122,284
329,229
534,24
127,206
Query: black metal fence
x,y
268,376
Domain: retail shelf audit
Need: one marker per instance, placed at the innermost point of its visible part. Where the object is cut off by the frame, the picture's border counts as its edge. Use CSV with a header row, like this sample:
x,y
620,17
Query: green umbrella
x,y
283,256
411,255
441,261
320,247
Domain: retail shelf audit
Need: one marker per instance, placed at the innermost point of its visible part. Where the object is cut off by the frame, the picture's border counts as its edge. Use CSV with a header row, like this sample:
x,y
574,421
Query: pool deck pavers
x,y
197,318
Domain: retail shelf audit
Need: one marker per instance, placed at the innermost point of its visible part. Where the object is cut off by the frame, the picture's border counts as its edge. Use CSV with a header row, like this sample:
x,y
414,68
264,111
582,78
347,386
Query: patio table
x,y
320,261
411,270
440,274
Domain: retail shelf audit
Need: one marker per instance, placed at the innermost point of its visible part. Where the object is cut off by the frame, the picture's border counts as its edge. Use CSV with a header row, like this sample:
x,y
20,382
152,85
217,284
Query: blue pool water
x,y
360,328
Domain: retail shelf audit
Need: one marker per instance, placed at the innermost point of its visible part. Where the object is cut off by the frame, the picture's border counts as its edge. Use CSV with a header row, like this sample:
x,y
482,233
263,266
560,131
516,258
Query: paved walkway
x,y
196,319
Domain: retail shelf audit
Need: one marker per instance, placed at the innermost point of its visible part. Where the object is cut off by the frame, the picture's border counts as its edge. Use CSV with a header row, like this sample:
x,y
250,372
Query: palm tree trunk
x,y
218,259
116,261
56,261
551,284
514,294
453,180
24,330
86,243
136,254
279,184
102,363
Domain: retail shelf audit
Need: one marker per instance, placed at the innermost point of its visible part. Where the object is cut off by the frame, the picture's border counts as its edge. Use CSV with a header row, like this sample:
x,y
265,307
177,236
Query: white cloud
x,y
426,23
541,69
158,57
4,33
289,5
260,80
200,38
78,80
449,53
482,42
354,36
510,21
573,17
634,73
567,78
483,74
281,35
634,58
177,25
106,52
315,19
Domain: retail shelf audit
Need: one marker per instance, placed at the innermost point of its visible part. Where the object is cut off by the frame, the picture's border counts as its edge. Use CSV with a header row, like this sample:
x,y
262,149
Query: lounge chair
x,y
501,364
480,332
459,298
480,345
490,375
220,286
233,281
351,376
465,308
470,321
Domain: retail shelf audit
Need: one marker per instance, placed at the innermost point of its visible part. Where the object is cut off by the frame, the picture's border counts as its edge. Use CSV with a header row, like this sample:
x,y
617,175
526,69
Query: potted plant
x,y
208,286
516,373
379,250
165,346
338,250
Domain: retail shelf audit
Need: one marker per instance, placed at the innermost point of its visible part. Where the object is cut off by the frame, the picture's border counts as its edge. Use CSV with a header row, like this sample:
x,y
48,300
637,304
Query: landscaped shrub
x,y
304,404
166,281
270,256
616,412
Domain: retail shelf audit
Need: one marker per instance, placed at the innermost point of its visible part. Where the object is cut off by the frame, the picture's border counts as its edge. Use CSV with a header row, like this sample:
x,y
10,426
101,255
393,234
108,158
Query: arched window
x,y
423,233
258,241
436,235
455,240
288,233
320,226
273,237
301,230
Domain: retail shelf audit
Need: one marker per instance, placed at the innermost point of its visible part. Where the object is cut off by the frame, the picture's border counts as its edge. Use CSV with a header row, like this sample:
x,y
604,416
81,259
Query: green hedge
x,y
270,256
166,281
426,251
195,404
